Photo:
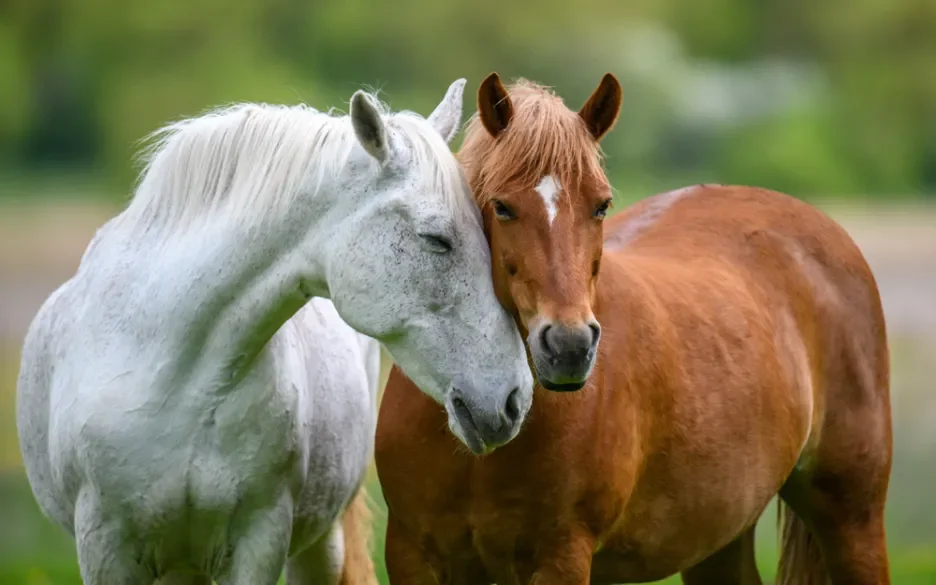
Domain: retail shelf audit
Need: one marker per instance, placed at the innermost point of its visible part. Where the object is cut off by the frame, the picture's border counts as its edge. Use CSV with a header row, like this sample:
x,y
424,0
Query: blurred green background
x,y
833,102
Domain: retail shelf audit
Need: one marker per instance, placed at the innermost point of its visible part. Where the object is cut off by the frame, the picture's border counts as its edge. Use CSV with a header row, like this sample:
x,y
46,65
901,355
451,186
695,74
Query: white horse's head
x,y
413,270
371,210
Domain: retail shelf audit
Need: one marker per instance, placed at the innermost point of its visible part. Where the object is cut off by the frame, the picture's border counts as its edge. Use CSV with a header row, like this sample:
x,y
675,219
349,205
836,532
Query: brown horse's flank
x,y
742,355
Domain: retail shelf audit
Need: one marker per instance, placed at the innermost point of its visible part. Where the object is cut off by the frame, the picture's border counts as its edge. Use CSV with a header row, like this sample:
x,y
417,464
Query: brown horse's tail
x,y
800,558
356,524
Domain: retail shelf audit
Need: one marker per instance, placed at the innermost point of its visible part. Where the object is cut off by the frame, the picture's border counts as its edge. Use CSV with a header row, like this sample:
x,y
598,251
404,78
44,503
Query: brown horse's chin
x,y
562,379
567,387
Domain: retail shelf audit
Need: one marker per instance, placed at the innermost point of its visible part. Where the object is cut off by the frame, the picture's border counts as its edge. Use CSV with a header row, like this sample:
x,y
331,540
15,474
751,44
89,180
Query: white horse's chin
x,y
470,439
467,434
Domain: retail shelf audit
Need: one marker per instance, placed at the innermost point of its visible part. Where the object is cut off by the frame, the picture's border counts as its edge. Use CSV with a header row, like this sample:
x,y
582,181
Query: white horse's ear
x,y
369,126
447,116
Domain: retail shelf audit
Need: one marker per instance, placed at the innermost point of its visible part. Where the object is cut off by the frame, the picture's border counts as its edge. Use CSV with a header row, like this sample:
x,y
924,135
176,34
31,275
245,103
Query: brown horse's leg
x,y
835,529
406,562
839,486
567,562
856,554
732,565
844,543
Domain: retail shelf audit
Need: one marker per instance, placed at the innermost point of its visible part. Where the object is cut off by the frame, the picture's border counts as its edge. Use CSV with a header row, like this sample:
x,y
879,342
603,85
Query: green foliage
x,y
794,154
81,81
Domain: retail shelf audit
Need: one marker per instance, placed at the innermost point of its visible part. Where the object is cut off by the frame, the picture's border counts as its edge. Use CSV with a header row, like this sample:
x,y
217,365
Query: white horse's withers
x,y
188,415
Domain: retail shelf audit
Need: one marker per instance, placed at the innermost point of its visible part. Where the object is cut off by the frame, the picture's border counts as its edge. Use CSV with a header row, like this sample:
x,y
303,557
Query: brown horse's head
x,y
535,169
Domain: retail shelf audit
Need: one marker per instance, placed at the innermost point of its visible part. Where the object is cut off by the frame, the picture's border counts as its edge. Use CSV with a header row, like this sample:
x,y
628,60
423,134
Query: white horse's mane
x,y
250,161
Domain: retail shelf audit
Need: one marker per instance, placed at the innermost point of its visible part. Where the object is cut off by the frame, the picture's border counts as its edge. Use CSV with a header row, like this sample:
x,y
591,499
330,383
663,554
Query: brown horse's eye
x,y
602,209
503,212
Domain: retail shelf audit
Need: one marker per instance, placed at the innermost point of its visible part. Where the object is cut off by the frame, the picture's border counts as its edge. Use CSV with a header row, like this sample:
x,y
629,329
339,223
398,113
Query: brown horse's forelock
x,y
544,137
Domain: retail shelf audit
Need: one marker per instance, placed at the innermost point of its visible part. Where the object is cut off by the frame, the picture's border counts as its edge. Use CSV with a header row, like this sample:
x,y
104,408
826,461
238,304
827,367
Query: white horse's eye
x,y
437,243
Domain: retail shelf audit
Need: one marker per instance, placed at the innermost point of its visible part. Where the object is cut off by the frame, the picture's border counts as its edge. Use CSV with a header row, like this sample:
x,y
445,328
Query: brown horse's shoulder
x,y
411,436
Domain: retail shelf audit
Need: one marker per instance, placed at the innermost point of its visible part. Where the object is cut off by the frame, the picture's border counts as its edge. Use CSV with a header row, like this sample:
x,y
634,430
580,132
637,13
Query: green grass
x,y
33,551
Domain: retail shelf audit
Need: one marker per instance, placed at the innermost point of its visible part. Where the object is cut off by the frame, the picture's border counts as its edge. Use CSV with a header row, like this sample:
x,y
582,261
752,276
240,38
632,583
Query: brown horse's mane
x,y
544,137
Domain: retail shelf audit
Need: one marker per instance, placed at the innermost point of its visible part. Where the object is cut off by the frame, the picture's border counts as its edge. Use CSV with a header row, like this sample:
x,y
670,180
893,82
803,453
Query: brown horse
x,y
742,355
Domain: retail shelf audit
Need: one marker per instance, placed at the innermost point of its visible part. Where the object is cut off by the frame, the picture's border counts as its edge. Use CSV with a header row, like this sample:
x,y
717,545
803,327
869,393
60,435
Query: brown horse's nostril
x,y
569,344
596,333
544,339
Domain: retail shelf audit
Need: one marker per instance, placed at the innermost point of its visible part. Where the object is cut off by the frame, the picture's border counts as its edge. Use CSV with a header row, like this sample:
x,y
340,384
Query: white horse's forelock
x,y
250,161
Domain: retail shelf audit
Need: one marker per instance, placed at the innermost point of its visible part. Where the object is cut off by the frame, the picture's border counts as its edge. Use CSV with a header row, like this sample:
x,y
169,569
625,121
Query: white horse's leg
x,y
261,547
105,556
321,563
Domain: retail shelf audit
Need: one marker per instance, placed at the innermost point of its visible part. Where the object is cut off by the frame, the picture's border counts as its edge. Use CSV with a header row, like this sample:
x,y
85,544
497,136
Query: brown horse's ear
x,y
602,108
494,105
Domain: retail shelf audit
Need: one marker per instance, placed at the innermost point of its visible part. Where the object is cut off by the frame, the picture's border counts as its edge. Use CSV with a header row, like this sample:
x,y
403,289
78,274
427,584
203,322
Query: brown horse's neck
x,y
622,293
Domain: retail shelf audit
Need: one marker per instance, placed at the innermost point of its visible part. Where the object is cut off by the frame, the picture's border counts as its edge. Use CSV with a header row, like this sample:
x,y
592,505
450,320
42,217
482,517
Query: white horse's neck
x,y
218,280
226,289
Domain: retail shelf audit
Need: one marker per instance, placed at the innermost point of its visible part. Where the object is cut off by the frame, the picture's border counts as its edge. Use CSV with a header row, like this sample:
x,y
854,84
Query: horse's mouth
x,y
467,431
562,387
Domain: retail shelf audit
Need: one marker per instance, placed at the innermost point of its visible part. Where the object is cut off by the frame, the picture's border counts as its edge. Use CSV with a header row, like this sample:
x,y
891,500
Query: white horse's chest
x,y
186,463
178,449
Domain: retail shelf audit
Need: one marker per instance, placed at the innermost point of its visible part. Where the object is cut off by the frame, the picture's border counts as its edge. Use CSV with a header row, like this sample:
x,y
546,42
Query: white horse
x,y
184,412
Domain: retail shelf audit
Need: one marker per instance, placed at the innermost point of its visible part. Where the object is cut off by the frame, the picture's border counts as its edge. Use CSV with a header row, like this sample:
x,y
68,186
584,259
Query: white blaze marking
x,y
549,189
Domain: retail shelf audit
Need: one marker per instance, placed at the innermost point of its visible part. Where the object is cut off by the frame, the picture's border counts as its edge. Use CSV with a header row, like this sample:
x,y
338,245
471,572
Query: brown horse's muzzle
x,y
564,355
